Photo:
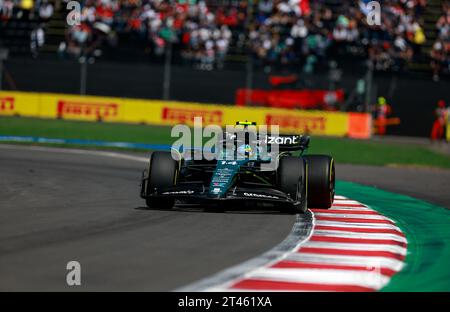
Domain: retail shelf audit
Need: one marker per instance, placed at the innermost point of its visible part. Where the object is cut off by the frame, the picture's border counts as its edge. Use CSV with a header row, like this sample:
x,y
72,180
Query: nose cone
x,y
222,178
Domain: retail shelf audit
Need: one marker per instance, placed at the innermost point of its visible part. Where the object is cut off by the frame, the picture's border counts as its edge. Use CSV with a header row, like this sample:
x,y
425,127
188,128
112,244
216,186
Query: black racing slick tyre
x,y
291,179
163,173
321,181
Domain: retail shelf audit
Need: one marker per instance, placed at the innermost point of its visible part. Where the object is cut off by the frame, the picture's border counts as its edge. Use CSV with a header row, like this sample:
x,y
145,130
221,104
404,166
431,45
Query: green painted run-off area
x,y
427,229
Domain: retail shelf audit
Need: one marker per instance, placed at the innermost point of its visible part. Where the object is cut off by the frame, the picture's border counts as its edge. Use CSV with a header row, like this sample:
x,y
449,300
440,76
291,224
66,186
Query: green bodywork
x,y
224,176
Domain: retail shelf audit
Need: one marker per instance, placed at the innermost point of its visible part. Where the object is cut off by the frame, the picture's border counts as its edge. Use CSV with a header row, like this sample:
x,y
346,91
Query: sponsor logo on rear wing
x,y
288,142
282,140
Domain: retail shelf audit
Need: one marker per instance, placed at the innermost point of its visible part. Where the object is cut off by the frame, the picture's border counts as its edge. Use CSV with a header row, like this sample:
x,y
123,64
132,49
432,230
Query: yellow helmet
x,y
381,100
246,123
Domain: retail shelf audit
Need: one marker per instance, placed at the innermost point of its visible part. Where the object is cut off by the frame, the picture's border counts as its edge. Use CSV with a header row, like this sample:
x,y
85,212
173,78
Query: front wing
x,y
198,193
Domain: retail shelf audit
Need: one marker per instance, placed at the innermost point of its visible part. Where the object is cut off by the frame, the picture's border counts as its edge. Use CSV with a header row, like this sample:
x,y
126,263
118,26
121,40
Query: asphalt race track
x,y
427,184
58,205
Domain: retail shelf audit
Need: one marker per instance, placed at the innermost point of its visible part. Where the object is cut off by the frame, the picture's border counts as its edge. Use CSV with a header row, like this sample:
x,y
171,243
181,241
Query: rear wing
x,y
286,142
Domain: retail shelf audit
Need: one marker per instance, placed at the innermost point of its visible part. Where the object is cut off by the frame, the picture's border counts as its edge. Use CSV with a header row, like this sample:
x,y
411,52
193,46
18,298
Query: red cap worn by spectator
x,y
441,103
305,7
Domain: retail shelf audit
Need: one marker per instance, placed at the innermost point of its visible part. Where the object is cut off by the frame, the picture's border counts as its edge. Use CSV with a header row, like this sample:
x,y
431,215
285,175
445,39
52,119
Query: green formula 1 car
x,y
298,180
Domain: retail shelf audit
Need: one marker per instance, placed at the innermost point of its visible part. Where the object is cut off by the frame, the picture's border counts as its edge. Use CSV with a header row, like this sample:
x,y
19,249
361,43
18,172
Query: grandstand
x,y
228,30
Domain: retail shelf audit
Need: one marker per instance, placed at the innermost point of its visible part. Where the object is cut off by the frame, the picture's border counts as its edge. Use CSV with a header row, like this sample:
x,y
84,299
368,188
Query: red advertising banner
x,y
301,99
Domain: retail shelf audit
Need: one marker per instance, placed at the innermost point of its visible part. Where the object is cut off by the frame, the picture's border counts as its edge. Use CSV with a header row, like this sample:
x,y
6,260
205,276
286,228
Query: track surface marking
x,y
349,247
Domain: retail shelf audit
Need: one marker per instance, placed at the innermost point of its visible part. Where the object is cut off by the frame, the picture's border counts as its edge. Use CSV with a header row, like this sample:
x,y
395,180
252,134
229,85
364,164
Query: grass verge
x,y
343,150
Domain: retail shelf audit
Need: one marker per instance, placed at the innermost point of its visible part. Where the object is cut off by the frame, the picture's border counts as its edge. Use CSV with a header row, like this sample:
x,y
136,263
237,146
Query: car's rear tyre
x,y
163,173
321,181
291,179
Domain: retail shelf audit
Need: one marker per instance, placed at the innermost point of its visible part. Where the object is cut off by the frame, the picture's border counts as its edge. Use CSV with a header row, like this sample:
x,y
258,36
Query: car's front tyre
x,y
292,180
163,173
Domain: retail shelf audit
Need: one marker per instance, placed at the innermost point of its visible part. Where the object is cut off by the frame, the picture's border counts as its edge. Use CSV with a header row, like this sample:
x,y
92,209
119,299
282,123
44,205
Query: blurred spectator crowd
x,y
440,53
310,31
25,9
201,35
39,11
276,32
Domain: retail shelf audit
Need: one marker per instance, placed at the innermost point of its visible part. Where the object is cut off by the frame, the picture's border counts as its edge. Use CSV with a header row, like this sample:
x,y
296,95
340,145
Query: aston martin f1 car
x,y
297,182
